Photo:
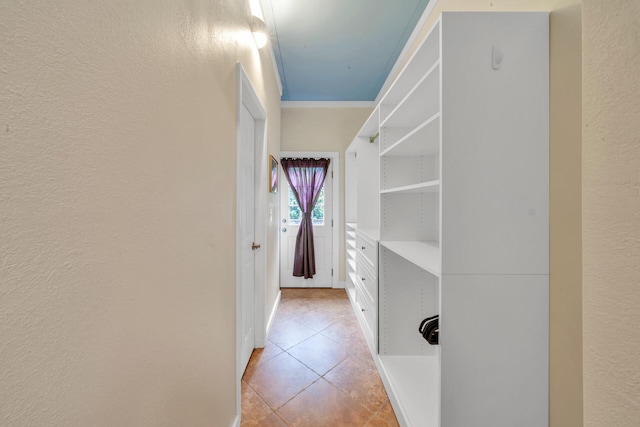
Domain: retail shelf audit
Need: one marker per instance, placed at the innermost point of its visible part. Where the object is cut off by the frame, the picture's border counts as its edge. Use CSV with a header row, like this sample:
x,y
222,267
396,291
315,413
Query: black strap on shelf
x,y
430,329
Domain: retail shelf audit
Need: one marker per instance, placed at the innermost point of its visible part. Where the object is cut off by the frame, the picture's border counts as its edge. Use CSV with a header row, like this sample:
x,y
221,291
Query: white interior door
x,y
322,235
246,227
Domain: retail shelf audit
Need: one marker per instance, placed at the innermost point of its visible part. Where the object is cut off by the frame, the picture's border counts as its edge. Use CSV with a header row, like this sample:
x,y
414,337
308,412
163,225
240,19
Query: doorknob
x,y
254,246
284,230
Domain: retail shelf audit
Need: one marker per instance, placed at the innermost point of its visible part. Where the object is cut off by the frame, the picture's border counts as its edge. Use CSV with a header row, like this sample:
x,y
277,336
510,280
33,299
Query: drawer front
x,y
369,249
370,318
368,280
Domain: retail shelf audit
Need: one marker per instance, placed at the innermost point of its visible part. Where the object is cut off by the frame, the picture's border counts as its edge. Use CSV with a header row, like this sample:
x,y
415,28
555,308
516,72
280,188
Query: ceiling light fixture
x,y
259,30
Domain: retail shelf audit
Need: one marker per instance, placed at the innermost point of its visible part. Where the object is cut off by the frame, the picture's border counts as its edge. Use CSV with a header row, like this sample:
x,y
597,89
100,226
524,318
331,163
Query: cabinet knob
x,y
362,278
362,309
363,248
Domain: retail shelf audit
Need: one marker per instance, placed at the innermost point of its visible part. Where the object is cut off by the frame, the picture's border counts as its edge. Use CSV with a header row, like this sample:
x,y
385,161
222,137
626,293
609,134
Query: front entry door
x,y
322,235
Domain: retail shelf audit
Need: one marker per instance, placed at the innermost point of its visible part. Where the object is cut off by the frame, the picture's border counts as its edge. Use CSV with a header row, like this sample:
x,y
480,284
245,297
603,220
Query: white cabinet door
x,y
494,336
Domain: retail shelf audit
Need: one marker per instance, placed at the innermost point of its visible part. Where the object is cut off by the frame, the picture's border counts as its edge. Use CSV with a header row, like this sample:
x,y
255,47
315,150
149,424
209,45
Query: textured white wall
x,y
611,201
324,129
117,209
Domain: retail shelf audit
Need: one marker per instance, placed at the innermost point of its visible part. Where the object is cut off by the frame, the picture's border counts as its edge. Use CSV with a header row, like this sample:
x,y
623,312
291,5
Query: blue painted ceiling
x,y
338,50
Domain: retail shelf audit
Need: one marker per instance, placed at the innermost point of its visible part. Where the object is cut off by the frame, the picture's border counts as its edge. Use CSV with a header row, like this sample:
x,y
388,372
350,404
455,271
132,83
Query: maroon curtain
x,y
305,177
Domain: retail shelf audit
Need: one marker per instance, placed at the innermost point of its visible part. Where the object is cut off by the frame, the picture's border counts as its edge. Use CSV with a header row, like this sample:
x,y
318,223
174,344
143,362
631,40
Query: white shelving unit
x,y
362,229
463,225
350,248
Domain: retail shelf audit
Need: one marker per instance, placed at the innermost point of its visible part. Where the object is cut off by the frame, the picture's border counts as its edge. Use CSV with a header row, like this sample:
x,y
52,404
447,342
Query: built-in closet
x,y
447,215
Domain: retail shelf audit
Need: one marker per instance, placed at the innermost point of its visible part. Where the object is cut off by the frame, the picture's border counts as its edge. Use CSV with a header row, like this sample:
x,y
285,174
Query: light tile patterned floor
x,y
316,369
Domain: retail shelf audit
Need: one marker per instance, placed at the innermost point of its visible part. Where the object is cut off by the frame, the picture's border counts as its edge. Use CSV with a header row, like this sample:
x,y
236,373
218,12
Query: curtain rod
x,y
305,158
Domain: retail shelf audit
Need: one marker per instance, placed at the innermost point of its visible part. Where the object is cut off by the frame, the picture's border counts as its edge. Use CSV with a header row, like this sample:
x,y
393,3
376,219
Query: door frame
x,y
247,95
335,244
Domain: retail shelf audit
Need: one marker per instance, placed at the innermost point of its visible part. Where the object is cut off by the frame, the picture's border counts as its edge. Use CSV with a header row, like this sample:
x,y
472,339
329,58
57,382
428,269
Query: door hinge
x,y
332,272
332,223
331,174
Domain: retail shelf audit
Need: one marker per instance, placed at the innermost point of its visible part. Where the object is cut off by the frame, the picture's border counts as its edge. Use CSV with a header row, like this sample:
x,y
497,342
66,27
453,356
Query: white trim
x,y
335,246
273,313
328,104
275,67
246,95
404,54
340,285
236,421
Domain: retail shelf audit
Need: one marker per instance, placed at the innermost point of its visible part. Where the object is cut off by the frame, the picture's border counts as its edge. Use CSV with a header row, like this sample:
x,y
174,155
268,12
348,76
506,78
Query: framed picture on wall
x,y
273,175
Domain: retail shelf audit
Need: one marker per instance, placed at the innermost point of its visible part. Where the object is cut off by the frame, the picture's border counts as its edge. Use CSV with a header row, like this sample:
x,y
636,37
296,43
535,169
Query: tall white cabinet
x,y
362,215
463,194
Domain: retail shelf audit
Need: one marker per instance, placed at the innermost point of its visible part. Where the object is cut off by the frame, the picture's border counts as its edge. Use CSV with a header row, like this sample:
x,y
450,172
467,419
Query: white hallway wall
x,y
117,209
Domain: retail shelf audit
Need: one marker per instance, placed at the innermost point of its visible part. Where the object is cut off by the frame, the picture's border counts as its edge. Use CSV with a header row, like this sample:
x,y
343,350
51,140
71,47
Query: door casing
x,y
247,95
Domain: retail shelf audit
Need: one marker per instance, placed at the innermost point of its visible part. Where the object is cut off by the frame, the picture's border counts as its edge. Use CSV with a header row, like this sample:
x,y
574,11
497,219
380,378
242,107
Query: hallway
x,y
316,369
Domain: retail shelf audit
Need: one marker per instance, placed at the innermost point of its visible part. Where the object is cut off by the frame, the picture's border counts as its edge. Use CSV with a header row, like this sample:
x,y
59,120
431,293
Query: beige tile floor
x,y
316,369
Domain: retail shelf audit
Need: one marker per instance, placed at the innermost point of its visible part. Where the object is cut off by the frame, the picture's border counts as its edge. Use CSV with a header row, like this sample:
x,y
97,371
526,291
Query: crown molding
x,y
275,67
328,104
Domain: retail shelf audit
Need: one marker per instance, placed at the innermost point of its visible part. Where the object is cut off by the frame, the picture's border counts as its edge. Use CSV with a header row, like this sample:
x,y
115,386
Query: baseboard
x,y
339,285
273,313
380,367
391,392
236,422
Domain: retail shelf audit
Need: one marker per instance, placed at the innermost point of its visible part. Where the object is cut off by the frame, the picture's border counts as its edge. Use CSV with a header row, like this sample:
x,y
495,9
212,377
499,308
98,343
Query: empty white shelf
x,y
352,276
415,381
351,262
425,255
421,141
423,187
423,99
